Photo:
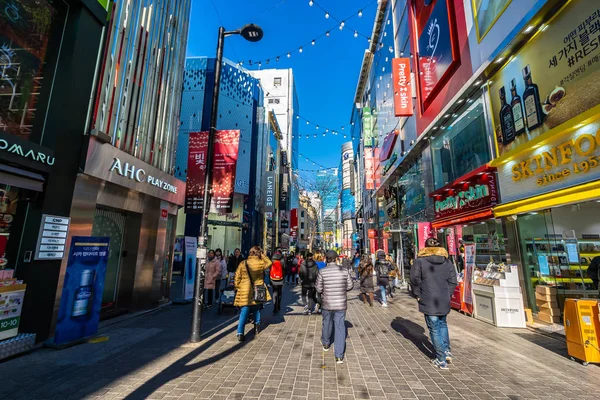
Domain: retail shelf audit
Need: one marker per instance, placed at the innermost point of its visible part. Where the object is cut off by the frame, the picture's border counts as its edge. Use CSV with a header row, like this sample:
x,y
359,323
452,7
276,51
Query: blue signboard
x,y
81,300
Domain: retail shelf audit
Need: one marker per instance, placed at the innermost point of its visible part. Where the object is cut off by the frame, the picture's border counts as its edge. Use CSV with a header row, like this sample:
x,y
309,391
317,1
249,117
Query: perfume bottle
x,y
83,294
507,121
531,101
517,108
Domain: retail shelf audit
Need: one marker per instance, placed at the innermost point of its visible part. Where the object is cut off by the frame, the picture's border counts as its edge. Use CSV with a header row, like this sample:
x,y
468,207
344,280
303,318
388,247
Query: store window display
x,y
561,248
463,146
9,200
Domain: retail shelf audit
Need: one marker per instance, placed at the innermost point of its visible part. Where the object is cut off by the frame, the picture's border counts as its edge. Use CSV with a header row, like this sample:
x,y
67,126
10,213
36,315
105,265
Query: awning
x,y
21,178
478,216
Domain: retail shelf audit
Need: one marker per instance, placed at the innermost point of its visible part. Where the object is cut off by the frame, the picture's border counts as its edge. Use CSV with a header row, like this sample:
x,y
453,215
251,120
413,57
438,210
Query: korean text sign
x,y
79,312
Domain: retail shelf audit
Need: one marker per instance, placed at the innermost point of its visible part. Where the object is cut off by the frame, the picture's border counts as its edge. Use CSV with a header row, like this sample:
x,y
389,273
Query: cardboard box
x,y
546,298
528,316
550,319
554,311
546,290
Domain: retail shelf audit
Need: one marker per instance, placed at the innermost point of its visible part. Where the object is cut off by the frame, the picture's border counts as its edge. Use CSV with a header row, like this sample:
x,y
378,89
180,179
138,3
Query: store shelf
x,y
561,279
545,253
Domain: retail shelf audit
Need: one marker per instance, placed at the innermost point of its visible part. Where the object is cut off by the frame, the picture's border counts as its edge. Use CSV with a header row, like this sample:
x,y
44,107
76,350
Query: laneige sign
x,y
110,164
138,174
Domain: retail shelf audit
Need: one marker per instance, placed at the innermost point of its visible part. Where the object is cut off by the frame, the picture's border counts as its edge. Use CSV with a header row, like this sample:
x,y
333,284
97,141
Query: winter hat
x,y
381,254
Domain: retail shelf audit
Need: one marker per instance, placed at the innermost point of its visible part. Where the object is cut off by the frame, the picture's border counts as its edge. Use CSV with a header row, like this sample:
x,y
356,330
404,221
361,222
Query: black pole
x,y
203,234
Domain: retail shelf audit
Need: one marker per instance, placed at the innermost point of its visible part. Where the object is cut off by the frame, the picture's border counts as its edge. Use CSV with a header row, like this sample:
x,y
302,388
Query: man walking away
x,y
308,278
333,282
276,276
383,269
433,279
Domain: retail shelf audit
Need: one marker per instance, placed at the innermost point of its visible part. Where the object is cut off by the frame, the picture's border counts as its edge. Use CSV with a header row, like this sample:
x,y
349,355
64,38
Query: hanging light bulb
x,y
310,3
355,34
326,15
342,25
289,55
317,127
297,117
327,33
277,59
300,49
360,13
313,42
307,122
259,64
323,135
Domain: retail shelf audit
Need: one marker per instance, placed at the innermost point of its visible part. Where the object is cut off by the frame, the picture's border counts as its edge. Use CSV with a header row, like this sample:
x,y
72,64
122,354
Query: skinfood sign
x,y
568,160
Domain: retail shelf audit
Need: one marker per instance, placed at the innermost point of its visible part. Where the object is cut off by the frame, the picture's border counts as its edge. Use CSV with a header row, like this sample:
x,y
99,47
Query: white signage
x,y
52,237
137,174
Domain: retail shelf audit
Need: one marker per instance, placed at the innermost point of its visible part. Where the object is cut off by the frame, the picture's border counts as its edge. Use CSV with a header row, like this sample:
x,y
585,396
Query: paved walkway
x,y
388,357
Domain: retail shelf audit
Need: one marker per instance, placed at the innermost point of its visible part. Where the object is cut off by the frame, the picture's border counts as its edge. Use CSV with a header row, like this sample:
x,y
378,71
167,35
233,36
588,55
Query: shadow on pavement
x,y
415,333
547,342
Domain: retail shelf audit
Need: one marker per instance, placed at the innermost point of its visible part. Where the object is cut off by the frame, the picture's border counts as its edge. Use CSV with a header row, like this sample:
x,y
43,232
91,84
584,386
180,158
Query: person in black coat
x,y
383,268
234,260
433,279
593,271
308,278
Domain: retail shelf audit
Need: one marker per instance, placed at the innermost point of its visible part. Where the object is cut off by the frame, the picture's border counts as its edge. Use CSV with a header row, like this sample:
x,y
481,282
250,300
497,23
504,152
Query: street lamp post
x,y
251,33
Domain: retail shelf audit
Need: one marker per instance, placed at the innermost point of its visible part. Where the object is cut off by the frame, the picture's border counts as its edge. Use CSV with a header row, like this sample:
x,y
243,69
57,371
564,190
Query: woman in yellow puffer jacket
x,y
256,264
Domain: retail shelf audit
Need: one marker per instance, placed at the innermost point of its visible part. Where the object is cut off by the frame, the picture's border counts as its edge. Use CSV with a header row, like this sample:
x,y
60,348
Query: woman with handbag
x,y
251,291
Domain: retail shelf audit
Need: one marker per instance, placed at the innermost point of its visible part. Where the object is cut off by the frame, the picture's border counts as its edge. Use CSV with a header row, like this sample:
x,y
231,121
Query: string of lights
x,y
314,163
342,23
322,130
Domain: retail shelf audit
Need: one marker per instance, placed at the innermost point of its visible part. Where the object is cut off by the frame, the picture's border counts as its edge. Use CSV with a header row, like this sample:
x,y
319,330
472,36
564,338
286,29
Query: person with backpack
x,y
308,279
383,268
333,282
250,274
433,279
276,276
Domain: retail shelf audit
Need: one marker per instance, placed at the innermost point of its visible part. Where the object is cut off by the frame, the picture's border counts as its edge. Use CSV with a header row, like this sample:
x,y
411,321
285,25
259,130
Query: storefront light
x,y
529,29
499,60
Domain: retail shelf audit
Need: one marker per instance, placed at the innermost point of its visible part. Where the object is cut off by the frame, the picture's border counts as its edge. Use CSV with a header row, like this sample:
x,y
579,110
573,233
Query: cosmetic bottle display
x,y
507,121
531,101
517,109
83,294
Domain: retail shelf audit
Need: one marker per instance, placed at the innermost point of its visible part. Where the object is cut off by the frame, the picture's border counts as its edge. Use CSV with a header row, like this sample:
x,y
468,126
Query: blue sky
x,y
326,74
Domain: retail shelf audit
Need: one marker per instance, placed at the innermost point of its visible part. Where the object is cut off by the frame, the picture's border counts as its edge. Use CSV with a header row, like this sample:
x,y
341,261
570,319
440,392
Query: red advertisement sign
x,y
451,240
196,172
369,170
294,222
403,104
372,233
164,214
425,231
388,145
224,163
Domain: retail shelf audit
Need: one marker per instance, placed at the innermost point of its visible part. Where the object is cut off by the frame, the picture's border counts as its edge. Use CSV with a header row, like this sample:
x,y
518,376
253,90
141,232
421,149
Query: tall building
x,y
327,186
240,108
280,96
347,202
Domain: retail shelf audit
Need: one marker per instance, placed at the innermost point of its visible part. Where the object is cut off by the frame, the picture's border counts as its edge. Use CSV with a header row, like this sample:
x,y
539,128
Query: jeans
x,y
334,320
208,297
438,332
244,316
311,293
277,294
217,289
383,294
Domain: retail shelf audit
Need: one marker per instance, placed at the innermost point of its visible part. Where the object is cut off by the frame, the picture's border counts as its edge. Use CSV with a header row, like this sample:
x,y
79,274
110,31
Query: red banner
x,y
372,233
196,172
451,240
224,163
294,222
425,232
403,104
369,170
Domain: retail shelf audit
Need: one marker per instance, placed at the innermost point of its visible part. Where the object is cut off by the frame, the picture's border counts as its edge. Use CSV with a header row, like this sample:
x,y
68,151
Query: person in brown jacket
x,y
367,285
256,264
212,273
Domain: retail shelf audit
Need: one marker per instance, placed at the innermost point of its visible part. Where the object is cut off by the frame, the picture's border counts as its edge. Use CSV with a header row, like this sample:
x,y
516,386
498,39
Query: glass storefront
x,y
462,147
557,247
9,200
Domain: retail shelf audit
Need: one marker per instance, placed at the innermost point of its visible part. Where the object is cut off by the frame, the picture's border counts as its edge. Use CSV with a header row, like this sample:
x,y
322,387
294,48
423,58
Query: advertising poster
x,y
486,13
403,104
367,127
551,80
190,266
11,304
224,163
470,265
425,231
284,220
369,170
451,240
196,172
436,53
79,312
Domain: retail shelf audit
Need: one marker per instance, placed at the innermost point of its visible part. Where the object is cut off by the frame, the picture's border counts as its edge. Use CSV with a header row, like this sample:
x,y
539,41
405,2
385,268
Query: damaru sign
x,y
479,193
25,149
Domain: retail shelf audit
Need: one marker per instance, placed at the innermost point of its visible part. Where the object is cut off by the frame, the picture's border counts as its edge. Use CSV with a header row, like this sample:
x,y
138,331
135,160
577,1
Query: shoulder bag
x,y
259,292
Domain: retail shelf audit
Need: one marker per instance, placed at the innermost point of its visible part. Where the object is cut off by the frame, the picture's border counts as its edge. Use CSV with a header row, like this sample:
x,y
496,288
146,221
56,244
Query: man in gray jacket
x,y
333,282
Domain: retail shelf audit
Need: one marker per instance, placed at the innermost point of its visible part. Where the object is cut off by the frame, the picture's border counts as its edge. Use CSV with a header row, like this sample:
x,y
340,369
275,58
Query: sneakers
x,y
306,310
339,360
326,347
449,357
440,364
384,305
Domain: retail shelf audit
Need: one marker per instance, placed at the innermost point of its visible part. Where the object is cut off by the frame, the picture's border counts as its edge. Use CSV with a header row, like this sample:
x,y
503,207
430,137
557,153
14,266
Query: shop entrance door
x,y
111,224
165,283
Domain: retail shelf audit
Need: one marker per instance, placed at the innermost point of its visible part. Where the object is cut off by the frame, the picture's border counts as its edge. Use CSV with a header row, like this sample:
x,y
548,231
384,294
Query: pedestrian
x,y
394,275
320,260
221,278
383,269
212,272
333,282
250,274
433,279
366,281
308,278
289,268
356,263
234,260
276,276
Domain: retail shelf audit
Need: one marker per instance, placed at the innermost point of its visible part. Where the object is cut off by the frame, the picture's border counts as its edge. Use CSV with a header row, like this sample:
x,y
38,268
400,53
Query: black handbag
x,y
259,292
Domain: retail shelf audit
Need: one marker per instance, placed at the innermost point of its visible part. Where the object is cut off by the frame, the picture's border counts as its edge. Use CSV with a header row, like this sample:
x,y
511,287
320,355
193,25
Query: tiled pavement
x,y
387,358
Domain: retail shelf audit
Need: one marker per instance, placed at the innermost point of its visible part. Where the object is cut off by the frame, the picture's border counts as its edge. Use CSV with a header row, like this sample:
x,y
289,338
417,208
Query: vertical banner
x,y
190,267
403,105
224,163
451,240
196,172
369,170
470,254
270,191
424,233
79,312
294,222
